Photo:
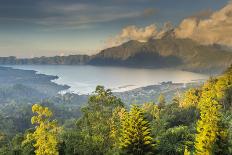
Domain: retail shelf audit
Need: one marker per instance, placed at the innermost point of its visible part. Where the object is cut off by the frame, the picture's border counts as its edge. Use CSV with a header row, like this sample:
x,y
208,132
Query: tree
x,y
191,98
224,89
5,144
136,133
186,151
115,123
152,110
175,140
16,143
213,132
95,125
227,119
176,100
207,126
71,141
161,101
46,131
28,145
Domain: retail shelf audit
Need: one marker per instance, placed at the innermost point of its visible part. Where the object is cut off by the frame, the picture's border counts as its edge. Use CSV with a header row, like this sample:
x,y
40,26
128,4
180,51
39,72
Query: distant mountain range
x,y
168,51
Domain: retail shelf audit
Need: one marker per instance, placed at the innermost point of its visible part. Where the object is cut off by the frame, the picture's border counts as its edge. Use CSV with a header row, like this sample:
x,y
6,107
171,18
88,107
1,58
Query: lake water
x,y
84,79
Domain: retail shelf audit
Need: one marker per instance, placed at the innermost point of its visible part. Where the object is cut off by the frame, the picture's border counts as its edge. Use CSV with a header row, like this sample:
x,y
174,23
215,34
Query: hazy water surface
x,y
84,79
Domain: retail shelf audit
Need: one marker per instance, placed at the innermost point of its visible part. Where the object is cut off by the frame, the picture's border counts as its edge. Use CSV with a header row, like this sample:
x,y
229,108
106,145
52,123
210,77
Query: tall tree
x,y
96,122
46,131
190,98
136,136
161,101
210,115
152,110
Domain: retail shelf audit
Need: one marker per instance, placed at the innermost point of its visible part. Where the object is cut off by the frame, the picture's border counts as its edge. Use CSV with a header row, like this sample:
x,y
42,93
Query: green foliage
x,y
161,101
223,144
136,136
17,143
200,123
227,119
175,140
174,116
190,98
207,126
95,124
5,144
45,134
151,110
71,141
28,146
212,131
116,126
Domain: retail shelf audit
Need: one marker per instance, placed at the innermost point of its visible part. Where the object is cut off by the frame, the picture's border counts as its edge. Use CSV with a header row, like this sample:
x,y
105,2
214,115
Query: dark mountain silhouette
x,y
168,51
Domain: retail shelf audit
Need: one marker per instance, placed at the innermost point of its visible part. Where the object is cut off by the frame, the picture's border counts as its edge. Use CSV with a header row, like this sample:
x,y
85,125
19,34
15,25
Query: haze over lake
x,y
84,79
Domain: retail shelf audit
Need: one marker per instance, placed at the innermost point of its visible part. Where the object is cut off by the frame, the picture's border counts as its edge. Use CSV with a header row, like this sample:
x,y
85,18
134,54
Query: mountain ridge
x,y
183,54
164,52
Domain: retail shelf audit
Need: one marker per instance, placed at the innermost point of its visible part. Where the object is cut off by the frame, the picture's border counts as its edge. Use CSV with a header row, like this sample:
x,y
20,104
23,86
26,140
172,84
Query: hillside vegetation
x,y
26,85
198,122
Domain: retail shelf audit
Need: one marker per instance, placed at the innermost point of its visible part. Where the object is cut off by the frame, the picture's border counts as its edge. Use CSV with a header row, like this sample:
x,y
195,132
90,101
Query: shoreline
x,y
46,87
83,87
41,82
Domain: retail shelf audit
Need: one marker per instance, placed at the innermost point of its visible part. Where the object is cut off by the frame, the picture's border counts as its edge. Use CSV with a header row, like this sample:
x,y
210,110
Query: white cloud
x,y
133,33
140,34
216,29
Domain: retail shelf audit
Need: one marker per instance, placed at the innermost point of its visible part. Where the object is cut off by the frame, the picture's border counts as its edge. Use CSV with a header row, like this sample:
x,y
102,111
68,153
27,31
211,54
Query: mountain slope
x,y
166,52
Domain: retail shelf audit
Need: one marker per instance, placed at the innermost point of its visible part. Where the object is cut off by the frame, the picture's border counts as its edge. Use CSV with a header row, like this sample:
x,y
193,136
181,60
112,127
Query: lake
x,y
84,79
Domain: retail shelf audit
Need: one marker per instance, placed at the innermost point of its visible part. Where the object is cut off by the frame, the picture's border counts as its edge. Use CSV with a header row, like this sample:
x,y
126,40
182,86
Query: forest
x,y
197,122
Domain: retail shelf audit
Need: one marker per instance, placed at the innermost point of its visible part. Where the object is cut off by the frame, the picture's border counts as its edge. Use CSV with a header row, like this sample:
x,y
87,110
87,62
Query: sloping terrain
x,y
166,52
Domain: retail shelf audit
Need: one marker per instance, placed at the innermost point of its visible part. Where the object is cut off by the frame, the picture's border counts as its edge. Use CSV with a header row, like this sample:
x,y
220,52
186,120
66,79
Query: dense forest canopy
x,y
151,53
196,122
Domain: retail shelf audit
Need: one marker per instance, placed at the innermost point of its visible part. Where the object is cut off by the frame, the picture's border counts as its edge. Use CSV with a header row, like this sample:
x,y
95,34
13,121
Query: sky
x,y
32,28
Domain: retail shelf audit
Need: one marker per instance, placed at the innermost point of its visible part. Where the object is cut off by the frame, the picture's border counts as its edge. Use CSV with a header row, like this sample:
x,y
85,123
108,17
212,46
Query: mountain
x,y
168,51
56,60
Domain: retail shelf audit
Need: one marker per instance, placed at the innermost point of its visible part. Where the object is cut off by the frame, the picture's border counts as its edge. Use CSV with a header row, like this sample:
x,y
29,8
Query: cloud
x,y
79,14
216,29
134,33
141,34
80,20
205,27
67,14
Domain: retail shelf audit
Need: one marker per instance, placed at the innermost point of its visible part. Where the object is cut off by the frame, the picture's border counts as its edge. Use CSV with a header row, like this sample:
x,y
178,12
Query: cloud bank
x,y
205,27
70,14
140,34
216,29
